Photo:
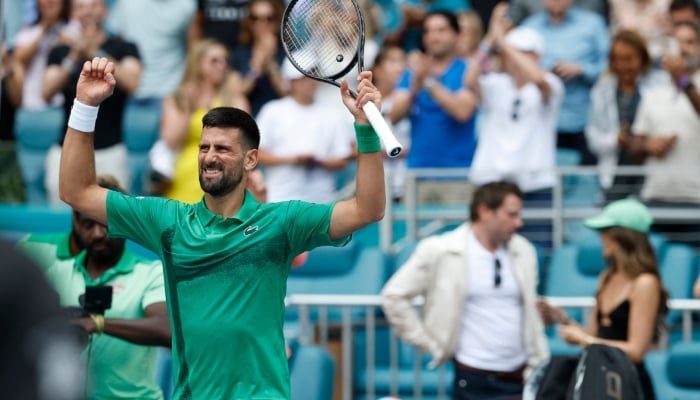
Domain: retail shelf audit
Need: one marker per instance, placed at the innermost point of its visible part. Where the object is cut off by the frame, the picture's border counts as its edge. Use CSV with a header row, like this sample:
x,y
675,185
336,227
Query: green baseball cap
x,y
627,213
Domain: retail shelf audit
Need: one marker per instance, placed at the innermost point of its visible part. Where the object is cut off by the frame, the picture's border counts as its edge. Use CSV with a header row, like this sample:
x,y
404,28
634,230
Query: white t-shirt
x,y
491,329
517,140
665,111
288,128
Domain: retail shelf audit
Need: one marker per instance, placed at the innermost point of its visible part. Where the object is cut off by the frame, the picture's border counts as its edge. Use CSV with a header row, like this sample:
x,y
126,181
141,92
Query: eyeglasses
x,y
497,274
264,18
516,109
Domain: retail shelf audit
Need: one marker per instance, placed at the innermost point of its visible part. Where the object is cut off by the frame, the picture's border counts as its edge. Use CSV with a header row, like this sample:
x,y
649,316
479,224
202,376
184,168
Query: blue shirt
x,y
581,38
437,139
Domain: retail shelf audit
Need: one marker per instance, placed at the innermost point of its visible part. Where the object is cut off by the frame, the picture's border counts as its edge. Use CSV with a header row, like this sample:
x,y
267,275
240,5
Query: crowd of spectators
x,y
614,81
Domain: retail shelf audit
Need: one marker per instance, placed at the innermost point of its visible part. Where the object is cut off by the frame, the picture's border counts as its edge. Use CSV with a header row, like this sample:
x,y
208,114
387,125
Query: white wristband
x,y
83,117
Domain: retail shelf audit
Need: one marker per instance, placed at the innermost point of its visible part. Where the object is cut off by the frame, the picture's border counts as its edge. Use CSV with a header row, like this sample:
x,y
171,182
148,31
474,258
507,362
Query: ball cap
x,y
525,39
626,213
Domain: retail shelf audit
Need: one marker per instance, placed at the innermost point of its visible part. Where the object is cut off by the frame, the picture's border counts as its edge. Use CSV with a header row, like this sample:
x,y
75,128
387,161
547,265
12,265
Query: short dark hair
x,y
492,195
231,117
449,16
682,4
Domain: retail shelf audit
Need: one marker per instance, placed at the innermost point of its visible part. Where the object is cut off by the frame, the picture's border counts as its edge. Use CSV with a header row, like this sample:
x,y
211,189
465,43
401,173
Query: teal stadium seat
x,y
35,132
676,372
312,370
141,128
431,380
679,268
350,270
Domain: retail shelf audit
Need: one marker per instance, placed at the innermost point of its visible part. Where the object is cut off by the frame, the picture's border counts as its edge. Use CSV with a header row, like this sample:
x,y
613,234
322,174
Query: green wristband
x,y
367,139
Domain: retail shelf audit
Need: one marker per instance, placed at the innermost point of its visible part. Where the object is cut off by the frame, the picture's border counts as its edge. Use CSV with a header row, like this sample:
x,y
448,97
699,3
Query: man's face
x,y
503,222
222,160
687,38
439,39
686,14
92,236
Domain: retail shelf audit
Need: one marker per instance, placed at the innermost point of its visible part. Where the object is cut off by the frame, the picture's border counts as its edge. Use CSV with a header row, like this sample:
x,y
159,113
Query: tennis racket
x,y
324,40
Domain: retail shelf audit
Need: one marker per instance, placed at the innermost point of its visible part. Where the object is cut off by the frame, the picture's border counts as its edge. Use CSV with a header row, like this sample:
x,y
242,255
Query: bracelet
x,y
367,139
83,117
99,321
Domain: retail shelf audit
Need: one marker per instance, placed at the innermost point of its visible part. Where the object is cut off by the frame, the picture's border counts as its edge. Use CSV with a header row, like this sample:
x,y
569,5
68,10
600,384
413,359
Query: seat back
x,y
312,371
678,269
141,128
36,131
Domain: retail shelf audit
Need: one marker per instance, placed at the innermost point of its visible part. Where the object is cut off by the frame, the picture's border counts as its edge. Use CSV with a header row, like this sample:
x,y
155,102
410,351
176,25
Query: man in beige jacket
x,y
479,285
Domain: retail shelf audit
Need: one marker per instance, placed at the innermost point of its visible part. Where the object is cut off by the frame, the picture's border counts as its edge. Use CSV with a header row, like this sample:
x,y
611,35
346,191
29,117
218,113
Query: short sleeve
x,y
308,225
141,219
155,288
405,81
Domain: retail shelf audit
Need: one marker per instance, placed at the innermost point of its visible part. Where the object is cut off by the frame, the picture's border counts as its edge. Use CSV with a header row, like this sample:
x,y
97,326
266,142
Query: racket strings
x,y
323,36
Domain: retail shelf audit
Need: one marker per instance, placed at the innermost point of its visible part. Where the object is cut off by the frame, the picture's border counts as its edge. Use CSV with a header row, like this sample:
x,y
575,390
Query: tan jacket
x,y
437,270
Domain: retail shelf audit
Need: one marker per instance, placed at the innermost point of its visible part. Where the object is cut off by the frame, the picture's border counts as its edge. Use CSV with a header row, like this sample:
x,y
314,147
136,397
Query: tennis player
x,y
226,258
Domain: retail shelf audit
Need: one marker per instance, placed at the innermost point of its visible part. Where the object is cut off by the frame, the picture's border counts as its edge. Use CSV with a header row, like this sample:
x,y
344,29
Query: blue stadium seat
x,y
36,131
164,372
141,128
430,379
312,370
678,269
676,372
353,269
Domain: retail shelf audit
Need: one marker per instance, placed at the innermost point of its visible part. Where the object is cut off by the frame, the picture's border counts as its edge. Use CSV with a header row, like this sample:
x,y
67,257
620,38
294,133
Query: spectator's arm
x,y
460,105
61,63
196,29
152,330
593,69
14,80
26,52
128,74
696,288
174,124
402,104
529,68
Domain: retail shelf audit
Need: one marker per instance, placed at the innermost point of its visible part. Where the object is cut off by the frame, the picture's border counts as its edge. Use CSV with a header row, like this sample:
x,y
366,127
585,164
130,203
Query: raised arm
x,y
367,206
77,180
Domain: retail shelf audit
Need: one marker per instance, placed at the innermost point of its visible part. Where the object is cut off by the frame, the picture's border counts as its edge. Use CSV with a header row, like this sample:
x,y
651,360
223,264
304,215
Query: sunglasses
x,y
516,109
497,274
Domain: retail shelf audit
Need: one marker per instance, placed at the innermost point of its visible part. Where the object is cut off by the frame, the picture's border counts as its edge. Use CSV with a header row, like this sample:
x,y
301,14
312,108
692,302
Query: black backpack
x,y
605,373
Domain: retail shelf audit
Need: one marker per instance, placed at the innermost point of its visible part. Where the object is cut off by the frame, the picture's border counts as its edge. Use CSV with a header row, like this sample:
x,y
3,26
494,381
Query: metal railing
x,y
422,220
317,331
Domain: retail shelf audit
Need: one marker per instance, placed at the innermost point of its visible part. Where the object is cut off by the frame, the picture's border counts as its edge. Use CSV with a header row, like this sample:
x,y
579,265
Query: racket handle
x,y
391,145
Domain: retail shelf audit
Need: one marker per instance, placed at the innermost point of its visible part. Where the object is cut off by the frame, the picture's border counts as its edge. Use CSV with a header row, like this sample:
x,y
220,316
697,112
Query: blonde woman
x,y
207,83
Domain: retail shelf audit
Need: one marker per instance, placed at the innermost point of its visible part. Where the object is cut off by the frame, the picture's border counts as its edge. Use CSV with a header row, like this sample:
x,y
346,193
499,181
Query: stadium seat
x,y
141,128
36,131
431,380
311,373
676,372
350,270
678,269
164,372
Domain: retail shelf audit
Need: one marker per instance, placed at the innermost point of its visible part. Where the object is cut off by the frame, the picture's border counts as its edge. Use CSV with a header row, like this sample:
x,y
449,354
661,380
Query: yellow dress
x,y
185,186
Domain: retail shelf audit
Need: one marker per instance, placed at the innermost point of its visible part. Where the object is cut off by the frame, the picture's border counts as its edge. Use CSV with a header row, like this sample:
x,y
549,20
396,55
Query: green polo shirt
x,y
225,284
118,369
46,249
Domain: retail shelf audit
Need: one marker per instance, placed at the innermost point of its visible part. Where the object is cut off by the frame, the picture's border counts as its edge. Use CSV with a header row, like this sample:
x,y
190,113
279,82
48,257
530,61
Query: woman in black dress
x,y
631,300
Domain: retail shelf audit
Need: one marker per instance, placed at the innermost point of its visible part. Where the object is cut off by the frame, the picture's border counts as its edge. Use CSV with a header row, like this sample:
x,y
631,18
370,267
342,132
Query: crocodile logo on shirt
x,y
250,230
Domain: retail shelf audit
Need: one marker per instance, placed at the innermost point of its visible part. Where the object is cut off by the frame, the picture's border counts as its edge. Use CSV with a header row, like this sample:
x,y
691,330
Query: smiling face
x,y
214,64
223,161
